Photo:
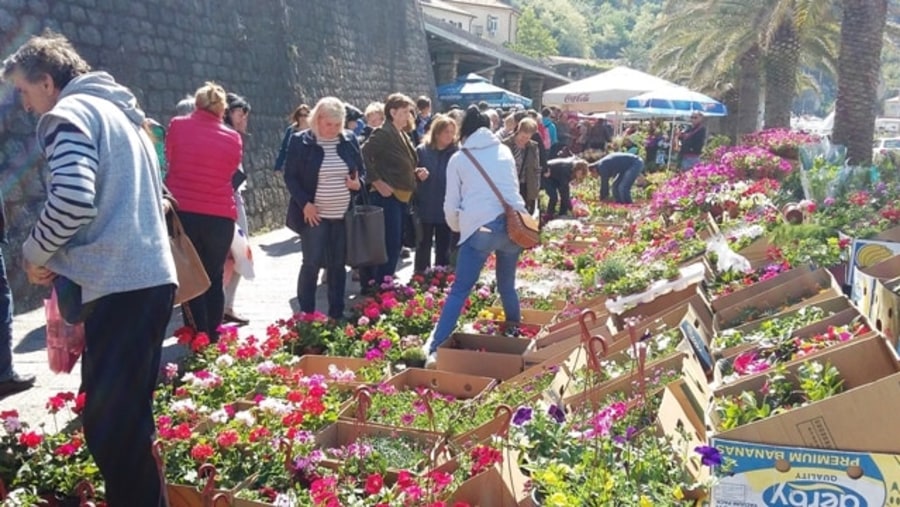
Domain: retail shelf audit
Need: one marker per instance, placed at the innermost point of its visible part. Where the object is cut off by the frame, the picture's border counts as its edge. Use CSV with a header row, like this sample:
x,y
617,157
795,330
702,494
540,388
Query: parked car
x,y
881,147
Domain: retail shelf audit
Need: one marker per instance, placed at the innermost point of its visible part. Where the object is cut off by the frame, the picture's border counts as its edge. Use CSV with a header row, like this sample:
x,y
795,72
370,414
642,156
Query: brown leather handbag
x,y
522,228
192,278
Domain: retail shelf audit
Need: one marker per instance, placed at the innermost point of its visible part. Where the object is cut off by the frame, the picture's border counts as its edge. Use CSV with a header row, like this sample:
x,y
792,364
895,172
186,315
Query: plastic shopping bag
x,y
65,342
242,254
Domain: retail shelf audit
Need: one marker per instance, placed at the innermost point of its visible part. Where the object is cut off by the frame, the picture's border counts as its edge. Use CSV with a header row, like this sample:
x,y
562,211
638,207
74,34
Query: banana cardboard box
x,y
870,260
885,313
766,475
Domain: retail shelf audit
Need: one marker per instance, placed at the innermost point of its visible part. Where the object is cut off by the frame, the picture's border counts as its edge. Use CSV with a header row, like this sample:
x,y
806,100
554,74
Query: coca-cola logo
x,y
576,98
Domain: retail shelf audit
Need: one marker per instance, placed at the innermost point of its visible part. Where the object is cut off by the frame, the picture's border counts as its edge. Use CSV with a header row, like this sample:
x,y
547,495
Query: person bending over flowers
x,y
472,209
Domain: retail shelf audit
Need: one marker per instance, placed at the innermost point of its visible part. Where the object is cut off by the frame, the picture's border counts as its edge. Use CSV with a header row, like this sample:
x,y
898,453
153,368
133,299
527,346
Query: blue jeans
x,y
6,312
394,211
688,161
323,245
491,238
622,186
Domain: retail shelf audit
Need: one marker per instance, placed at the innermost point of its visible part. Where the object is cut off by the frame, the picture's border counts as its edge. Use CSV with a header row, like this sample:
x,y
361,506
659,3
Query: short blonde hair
x,y
374,108
439,123
211,97
527,125
328,107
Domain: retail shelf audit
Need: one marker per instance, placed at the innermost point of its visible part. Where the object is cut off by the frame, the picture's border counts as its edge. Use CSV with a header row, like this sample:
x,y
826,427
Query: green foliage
x,y
533,38
600,29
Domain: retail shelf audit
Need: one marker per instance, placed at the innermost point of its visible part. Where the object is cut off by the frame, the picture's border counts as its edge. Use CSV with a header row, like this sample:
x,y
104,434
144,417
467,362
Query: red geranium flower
x,y
374,483
202,452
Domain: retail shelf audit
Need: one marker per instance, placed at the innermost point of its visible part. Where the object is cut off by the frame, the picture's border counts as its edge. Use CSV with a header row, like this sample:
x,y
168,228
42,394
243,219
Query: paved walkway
x,y
271,296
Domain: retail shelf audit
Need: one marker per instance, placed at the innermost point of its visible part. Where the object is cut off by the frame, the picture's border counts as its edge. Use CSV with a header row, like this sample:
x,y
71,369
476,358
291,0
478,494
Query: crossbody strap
x,y
486,177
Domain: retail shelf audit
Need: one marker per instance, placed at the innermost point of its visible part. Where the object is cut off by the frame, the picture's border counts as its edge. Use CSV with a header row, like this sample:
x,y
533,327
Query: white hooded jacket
x,y
469,202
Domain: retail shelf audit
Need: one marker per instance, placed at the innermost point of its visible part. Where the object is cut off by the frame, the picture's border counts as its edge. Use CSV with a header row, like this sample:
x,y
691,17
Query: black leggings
x,y
212,237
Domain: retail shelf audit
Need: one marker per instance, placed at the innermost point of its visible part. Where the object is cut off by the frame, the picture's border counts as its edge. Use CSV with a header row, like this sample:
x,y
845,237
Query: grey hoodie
x,y
102,226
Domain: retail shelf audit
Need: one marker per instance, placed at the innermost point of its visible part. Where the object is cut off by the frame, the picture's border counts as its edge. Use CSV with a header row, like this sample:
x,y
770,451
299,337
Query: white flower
x,y
171,370
219,416
363,321
224,361
274,406
341,376
265,367
12,425
185,406
245,417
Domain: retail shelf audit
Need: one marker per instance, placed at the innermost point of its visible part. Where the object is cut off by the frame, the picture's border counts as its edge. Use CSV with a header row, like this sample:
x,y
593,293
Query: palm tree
x,y
859,69
734,37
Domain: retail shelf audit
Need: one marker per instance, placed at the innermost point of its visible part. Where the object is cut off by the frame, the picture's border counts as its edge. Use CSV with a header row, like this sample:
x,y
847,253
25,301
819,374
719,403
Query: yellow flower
x,y
645,502
560,499
485,315
678,493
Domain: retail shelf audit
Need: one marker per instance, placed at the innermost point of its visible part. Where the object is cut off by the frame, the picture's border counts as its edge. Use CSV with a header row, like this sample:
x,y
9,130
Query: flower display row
x,y
319,412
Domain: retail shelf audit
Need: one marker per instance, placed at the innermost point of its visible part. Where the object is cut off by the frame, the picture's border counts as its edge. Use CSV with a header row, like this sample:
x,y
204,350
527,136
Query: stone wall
x,y
277,53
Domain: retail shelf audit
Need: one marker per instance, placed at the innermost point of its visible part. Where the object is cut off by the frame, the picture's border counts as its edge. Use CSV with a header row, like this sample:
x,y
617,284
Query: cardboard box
x,y
736,297
839,319
529,316
502,485
318,365
787,475
870,261
679,419
757,252
831,307
496,357
885,313
795,291
659,305
342,433
858,419
597,396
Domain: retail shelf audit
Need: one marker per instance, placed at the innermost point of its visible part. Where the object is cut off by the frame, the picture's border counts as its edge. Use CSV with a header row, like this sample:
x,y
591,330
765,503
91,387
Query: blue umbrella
x,y
473,88
675,101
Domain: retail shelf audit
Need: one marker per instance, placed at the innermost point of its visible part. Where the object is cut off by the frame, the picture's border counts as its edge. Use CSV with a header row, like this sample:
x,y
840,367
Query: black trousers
x,y
439,236
558,189
119,367
212,237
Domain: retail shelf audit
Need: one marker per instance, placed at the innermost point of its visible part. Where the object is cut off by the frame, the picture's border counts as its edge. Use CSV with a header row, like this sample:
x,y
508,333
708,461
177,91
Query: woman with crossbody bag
x,y
474,211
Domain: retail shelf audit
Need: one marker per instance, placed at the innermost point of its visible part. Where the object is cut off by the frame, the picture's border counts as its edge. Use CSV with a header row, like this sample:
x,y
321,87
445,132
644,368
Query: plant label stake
x,y
507,413
594,356
208,471
641,358
424,398
84,490
363,402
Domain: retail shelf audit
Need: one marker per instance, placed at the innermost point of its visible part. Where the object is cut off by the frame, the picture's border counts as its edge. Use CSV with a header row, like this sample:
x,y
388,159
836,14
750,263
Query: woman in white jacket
x,y
473,210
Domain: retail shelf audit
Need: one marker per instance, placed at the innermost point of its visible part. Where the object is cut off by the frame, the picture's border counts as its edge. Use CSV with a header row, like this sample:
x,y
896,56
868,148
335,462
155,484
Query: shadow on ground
x,y
282,248
35,340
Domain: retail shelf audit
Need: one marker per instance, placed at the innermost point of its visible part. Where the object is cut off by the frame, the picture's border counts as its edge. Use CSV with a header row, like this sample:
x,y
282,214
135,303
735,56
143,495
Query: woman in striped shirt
x,y
323,166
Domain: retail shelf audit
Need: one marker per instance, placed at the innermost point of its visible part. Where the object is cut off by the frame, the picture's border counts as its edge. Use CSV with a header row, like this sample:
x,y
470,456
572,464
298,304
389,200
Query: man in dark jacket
x,y
692,141
625,168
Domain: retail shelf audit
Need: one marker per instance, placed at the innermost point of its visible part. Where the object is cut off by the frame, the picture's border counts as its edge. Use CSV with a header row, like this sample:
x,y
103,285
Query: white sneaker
x,y
431,361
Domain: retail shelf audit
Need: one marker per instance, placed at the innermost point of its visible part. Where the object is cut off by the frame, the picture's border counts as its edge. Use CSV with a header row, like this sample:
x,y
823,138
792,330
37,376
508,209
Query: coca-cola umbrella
x,y
472,88
606,91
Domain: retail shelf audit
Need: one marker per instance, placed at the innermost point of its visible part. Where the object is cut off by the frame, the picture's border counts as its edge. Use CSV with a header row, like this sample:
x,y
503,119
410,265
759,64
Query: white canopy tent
x,y
606,91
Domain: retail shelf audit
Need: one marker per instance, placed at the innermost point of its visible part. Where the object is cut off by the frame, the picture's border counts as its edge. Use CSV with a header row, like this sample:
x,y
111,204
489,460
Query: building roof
x,y
569,60
487,3
477,44
442,5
